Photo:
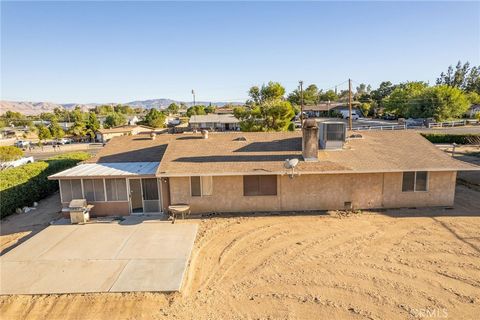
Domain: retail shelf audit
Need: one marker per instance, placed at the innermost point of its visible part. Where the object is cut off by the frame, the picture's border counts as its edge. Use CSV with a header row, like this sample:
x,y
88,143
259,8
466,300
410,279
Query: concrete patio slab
x,y
100,257
145,275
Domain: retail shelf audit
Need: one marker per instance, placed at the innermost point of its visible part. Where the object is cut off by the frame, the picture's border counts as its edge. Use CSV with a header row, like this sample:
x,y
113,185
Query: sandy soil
x,y
401,264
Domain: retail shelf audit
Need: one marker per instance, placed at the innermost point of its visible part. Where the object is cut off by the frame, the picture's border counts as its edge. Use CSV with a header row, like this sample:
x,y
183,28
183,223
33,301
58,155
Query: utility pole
x,y
193,93
350,104
301,101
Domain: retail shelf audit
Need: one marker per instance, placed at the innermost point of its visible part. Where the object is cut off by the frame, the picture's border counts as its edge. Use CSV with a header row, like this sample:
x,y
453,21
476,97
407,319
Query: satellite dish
x,y
290,163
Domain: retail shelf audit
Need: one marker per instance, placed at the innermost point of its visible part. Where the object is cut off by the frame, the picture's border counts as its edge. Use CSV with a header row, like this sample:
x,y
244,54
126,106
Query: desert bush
x,y
23,185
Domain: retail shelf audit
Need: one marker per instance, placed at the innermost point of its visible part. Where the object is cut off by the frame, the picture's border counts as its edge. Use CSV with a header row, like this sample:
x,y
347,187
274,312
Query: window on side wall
x,y
201,186
260,185
415,181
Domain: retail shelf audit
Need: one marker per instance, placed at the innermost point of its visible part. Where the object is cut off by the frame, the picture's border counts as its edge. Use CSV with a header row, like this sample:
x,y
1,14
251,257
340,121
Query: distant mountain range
x,y
35,108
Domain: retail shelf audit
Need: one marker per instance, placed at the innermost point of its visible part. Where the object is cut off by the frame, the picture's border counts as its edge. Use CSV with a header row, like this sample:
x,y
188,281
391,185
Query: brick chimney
x,y
310,140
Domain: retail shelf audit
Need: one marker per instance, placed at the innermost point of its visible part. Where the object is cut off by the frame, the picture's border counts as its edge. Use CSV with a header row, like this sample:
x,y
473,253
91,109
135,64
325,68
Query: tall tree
x,y
267,110
43,132
114,119
310,96
173,108
271,91
55,129
328,95
155,118
400,101
92,125
463,77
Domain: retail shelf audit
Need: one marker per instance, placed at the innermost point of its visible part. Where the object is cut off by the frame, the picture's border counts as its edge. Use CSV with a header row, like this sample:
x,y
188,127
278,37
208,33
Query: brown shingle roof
x,y
265,153
137,148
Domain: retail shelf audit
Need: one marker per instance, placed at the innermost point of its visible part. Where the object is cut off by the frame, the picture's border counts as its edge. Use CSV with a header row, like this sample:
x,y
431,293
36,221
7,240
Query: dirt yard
x,y
403,264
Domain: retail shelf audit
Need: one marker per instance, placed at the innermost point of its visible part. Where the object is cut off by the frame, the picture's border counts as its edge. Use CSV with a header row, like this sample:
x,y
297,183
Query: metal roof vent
x,y
332,135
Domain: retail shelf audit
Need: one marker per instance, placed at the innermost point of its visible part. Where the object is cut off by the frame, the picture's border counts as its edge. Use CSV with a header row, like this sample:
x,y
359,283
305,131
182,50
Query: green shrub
x,y
452,138
23,185
10,153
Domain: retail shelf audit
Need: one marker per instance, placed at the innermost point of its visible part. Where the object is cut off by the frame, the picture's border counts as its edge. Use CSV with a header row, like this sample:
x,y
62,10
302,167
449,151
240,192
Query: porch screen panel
x,y
116,189
99,189
89,189
76,189
66,190
150,189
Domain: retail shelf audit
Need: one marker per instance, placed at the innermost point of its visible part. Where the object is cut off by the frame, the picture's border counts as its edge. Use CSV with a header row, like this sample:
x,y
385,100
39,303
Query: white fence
x,y
392,127
448,124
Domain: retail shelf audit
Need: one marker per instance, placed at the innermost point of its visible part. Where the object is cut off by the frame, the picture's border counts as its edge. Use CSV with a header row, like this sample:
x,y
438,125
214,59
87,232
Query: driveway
x,y
133,255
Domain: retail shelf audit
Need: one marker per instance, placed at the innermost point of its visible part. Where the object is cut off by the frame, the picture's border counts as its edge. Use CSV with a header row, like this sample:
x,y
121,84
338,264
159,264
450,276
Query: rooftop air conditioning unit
x,y
332,135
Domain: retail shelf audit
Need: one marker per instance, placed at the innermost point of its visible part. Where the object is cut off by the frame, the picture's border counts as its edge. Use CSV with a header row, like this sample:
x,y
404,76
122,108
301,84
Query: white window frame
x,y
201,186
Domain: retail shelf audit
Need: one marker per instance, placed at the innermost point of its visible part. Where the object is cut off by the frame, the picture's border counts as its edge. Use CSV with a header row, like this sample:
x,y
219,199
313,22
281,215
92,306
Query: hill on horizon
x,y
35,108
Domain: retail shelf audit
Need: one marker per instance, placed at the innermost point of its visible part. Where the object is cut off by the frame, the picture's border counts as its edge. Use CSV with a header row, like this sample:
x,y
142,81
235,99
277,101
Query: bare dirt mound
x,y
373,266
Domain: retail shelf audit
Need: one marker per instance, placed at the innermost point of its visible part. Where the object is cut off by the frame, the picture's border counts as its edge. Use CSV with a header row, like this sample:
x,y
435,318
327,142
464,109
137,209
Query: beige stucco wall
x,y
317,192
440,191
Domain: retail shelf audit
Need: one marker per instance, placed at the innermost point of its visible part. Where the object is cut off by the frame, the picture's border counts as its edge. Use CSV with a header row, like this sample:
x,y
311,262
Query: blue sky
x,y
122,51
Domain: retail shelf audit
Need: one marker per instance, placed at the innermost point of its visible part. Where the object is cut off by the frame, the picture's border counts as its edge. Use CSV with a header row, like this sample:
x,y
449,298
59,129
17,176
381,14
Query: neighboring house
x,y
223,110
326,108
214,122
245,172
104,135
66,125
474,109
132,120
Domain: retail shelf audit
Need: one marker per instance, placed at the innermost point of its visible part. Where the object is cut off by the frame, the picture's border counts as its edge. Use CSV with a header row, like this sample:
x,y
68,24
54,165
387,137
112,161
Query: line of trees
x,y
267,108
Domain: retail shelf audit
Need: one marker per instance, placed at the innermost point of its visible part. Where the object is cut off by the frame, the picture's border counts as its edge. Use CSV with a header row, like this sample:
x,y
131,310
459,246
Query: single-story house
x,y
326,108
104,135
473,110
246,172
214,122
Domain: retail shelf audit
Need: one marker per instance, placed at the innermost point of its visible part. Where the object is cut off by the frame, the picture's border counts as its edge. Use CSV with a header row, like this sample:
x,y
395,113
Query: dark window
x,y
259,185
421,181
195,186
415,181
408,183
150,189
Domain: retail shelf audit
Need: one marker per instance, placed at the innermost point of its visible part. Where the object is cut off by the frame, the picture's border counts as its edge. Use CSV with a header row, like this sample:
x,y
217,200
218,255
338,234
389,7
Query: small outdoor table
x,y
183,209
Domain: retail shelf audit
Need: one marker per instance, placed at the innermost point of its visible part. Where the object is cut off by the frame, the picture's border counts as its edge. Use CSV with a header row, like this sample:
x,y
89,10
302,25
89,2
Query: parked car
x,y
346,114
22,144
410,122
64,141
389,117
16,163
